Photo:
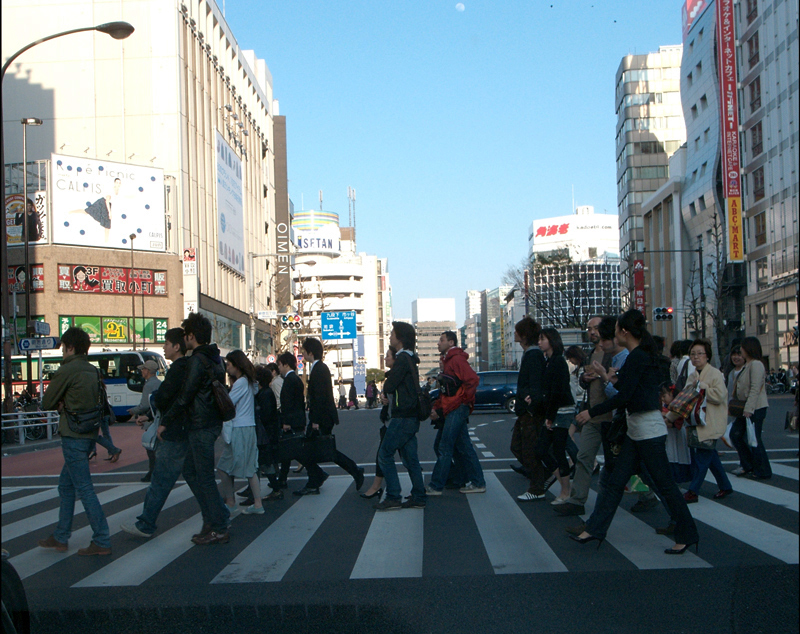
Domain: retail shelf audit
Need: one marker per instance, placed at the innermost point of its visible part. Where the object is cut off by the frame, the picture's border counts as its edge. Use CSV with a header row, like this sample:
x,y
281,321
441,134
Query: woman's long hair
x,y
239,360
634,322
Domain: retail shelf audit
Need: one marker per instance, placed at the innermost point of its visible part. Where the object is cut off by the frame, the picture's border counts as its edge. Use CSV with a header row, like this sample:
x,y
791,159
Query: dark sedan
x,y
497,389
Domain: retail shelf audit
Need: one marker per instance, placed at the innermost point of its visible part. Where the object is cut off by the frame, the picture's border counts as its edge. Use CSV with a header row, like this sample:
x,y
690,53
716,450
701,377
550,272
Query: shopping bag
x,y
726,437
698,415
635,485
752,441
684,403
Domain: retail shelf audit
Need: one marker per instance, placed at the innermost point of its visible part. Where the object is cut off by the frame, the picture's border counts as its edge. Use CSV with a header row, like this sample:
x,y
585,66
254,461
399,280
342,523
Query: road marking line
x,y
29,500
785,472
762,491
480,446
512,543
392,548
36,560
35,522
270,555
487,454
7,490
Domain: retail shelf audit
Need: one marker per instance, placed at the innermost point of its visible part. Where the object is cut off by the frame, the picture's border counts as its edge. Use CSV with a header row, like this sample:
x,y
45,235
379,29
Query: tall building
x,y
472,328
650,128
154,172
472,304
431,317
768,56
493,343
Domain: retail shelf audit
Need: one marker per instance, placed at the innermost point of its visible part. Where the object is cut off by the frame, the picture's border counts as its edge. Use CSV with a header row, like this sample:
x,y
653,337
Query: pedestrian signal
x,y
663,314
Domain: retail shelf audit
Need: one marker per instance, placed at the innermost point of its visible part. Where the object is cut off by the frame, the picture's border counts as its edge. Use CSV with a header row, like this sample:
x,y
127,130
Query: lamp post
x,y
251,287
26,228
117,30
133,295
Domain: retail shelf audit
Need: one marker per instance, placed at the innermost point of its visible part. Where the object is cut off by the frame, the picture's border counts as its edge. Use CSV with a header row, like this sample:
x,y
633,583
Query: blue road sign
x,y
42,343
339,325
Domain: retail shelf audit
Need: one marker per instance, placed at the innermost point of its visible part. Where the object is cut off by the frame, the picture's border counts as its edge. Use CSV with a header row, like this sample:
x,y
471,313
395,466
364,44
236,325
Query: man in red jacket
x,y
455,410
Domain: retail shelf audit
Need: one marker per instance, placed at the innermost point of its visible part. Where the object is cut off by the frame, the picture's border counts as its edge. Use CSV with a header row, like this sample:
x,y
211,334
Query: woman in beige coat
x,y
703,438
751,388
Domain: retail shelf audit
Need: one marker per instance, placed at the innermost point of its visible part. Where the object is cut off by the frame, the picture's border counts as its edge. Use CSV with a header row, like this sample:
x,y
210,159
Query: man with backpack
x,y
401,392
197,403
455,410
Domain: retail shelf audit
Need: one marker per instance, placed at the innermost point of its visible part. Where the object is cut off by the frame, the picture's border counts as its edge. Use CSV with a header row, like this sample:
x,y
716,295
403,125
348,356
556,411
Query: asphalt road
x,y
479,563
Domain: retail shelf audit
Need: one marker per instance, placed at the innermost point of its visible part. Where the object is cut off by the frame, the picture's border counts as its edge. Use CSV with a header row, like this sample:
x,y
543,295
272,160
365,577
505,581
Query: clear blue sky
x,y
456,128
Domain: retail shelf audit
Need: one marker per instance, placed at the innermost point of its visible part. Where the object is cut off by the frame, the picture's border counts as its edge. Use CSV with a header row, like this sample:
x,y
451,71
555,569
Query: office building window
x,y
755,94
762,274
752,50
760,226
756,142
694,112
758,183
752,10
705,135
703,102
762,319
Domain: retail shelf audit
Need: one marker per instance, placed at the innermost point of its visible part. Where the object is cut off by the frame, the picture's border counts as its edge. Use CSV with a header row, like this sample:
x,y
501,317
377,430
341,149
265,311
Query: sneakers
x,y
739,472
411,503
559,501
52,542
549,482
94,549
253,510
645,505
212,537
389,505
691,498
132,530
471,488
431,491
528,496
570,508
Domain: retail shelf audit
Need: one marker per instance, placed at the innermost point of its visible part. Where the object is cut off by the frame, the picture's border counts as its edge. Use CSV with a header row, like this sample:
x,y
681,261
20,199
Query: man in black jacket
x,y
172,444
322,416
292,405
204,425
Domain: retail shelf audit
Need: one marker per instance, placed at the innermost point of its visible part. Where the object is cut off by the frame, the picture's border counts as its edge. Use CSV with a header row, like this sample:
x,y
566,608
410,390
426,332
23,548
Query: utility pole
x,y
702,288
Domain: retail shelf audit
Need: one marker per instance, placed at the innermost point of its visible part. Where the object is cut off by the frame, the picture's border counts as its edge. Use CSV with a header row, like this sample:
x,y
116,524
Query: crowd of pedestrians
x,y
657,419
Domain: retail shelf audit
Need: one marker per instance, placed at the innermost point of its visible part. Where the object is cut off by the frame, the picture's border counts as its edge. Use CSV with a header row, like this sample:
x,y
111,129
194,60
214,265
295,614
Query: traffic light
x,y
291,321
663,314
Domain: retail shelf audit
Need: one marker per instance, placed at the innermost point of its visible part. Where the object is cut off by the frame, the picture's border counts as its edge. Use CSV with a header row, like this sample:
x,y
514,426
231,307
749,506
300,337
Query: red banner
x,y
729,107
17,278
81,278
638,285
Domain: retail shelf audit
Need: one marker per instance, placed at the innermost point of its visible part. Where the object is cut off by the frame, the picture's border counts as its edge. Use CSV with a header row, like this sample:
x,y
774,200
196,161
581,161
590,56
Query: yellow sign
x,y
735,239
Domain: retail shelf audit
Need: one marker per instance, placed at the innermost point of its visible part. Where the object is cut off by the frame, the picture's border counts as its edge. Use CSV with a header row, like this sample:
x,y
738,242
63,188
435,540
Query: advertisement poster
x,y
638,285
101,203
17,278
230,213
112,280
316,232
15,219
189,261
117,330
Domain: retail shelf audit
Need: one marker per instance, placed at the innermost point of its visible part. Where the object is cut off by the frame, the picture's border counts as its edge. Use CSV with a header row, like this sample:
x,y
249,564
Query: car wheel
x,y
510,404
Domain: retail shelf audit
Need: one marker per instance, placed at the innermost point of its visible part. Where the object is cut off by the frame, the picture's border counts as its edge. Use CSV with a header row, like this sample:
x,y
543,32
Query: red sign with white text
x,y
111,280
638,285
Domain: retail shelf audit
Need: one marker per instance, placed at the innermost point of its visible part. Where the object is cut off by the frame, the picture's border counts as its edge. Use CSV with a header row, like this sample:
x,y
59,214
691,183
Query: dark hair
x,y
199,326
528,330
273,367
736,350
607,328
633,322
706,347
77,339
686,345
660,341
175,337
313,346
577,353
667,388
239,359
393,352
752,346
451,336
555,340
406,334
675,349
287,358
263,376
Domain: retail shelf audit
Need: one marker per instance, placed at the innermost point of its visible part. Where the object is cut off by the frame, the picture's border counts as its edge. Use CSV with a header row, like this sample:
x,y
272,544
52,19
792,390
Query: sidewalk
x,y
43,457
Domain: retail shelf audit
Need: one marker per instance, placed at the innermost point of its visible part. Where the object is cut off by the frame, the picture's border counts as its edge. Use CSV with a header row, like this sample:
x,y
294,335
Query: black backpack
x,y
423,396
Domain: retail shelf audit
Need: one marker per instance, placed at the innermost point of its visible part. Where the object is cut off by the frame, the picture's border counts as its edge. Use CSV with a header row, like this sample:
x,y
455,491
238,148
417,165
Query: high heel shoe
x,y
586,540
92,455
377,494
116,456
680,551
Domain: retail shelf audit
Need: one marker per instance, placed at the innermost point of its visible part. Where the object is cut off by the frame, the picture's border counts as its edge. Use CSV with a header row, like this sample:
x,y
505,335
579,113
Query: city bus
x,y
118,368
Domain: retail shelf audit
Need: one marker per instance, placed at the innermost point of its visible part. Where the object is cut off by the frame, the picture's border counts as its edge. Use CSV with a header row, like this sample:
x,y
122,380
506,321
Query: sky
x,y
457,123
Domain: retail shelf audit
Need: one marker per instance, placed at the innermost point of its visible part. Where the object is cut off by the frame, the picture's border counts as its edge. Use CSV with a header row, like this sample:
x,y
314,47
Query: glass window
x,y
762,273
758,183
753,56
752,10
762,319
760,225
756,140
755,94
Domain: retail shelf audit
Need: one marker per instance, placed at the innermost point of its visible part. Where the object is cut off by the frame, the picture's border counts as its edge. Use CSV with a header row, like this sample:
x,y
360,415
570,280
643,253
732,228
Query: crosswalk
x,y
502,536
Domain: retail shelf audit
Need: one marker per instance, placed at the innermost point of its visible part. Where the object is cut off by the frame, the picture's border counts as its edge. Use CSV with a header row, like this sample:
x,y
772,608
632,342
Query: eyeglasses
x,y
697,354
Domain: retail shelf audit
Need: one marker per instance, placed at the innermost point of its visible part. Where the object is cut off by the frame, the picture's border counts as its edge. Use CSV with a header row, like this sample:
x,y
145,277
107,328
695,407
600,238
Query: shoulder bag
x,y
227,409
684,403
88,420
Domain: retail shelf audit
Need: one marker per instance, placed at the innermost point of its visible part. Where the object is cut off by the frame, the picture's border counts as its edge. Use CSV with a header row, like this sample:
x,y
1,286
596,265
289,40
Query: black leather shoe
x,y
306,491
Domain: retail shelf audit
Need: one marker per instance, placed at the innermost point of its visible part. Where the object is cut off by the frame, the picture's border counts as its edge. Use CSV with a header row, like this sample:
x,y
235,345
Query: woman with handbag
x,y
749,401
376,488
638,392
239,457
703,437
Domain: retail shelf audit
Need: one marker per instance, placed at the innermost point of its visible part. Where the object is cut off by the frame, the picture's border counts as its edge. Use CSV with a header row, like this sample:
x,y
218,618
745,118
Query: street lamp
x,y
26,228
119,31
133,295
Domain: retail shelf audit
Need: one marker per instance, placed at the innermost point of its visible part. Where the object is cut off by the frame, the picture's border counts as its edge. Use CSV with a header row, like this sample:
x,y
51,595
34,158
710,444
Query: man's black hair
x,y
77,339
313,346
175,337
607,328
451,336
199,326
287,358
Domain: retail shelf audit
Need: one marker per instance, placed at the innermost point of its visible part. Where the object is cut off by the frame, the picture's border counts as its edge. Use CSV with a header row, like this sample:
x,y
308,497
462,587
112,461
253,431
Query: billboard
x,y
101,203
111,280
230,213
17,278
690,12
15,219
316,232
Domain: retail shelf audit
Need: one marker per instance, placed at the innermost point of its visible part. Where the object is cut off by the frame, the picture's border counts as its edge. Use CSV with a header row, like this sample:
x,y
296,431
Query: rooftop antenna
x,y
351,195
320,200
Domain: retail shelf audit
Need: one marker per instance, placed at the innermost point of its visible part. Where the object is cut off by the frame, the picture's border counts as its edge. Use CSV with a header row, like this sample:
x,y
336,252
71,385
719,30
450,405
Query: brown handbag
x,y
736,407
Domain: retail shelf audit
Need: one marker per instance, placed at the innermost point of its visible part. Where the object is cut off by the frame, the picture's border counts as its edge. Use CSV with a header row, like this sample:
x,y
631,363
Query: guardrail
x,y
29,425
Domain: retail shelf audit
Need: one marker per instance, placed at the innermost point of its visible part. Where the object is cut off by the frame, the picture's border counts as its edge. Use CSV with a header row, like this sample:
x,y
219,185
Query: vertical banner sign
x,y
638,285
230,212
729,116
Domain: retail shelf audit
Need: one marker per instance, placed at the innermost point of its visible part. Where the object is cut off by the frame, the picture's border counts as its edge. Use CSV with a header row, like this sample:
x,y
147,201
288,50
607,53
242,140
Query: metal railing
x,y
36,425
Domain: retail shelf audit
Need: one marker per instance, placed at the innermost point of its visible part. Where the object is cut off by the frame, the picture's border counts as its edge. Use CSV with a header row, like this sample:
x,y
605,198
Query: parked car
x,y
497,389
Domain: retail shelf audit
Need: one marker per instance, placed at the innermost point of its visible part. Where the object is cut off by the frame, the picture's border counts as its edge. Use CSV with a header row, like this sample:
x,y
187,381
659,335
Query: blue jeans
x,y
401,435
652,452
751,458
702,461
457,473
456,435
104,440
75,480
198,471
169,464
